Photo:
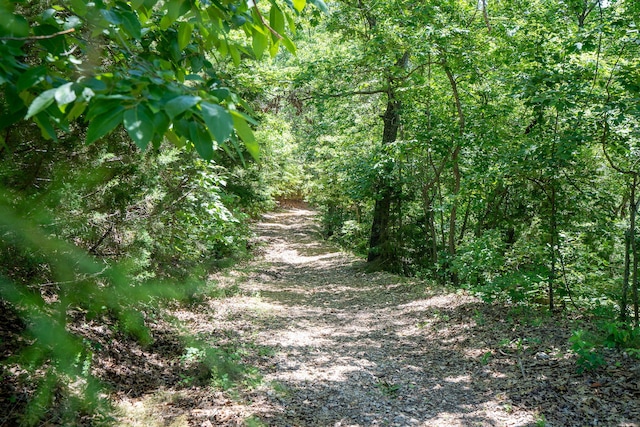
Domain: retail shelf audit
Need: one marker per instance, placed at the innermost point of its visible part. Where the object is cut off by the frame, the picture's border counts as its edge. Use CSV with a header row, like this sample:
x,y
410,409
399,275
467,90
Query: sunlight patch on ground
x,y
148,412
299,338
458,379
441,301
478,417
292,256
324,368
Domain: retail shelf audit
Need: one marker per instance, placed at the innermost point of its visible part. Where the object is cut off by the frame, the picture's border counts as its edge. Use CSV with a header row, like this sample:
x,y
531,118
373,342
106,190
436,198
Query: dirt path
x,y
337,346
355,348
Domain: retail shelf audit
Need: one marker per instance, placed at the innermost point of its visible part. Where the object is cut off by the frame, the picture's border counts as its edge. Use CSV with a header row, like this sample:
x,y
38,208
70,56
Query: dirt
x,y
326,343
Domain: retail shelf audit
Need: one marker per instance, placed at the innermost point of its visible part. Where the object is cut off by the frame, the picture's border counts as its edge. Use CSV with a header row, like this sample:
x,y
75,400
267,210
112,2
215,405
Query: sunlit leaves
x,y
245,132
180,33
43,100
299,4
65,94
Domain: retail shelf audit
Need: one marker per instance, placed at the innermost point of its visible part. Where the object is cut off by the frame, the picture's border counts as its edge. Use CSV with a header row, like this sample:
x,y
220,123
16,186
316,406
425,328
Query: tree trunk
x,y
625,279
379,238
379,244
554,244
634,247
456,166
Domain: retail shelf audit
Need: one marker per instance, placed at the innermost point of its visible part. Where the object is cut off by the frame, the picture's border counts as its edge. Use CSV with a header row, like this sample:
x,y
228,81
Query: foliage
x,y
610,335
512,170
589,358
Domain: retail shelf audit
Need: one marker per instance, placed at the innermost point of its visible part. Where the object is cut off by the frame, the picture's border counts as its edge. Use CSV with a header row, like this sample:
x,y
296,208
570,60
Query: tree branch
x,y
43,37
341,94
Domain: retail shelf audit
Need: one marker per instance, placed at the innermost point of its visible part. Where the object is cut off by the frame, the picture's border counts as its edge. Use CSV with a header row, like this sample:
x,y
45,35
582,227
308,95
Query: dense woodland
x,y
486,145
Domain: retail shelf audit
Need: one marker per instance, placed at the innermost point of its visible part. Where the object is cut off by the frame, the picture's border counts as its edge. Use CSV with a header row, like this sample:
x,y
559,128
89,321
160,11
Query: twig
x,y
43,37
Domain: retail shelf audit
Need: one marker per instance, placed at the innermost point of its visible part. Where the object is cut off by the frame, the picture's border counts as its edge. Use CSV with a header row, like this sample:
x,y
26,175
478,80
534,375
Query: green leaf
x,y
103,124
173,12
289,45
260,42
148,4
31,77
320,5
130,23
218,120
275,46
137,4
244,131
291,22
41,102
13,25
174,139
184,34
180,104
100,105
299,4
76,111
235,54
201,140
138,123
47,130
161,122
65,94
276,20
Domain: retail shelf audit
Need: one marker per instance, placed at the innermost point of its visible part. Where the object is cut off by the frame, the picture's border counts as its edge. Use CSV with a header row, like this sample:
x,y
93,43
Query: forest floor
x,y
326,343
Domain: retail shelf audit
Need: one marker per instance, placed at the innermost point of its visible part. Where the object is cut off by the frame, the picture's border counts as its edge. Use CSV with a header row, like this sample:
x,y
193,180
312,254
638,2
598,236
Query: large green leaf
x,y
201,140
289,45
13,25
138,122
244,131
101,105
130,23
41,102
103,124
259,43
276,20
184,34
173,8
218,120
180,104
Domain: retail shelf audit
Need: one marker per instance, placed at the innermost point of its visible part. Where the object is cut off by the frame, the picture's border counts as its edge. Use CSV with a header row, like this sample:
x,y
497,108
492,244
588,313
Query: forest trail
x,y
337,346
359,349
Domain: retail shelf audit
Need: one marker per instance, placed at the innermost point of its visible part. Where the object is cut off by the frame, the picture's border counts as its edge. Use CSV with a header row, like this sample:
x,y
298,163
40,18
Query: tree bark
x,y
379,237
455,155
